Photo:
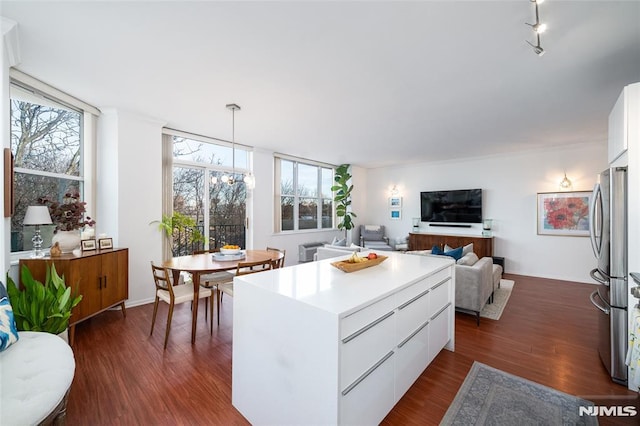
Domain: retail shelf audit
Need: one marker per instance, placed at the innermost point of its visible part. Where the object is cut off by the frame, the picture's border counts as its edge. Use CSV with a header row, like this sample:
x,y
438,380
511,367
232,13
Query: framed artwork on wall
x,y
564,213
395,202
395,214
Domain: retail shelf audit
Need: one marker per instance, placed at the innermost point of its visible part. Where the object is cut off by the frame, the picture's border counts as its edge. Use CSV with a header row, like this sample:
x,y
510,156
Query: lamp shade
x,y
37,215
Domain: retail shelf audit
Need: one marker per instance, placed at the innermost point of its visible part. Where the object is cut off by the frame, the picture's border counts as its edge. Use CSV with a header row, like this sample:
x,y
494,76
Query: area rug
x,y
492,397
500,298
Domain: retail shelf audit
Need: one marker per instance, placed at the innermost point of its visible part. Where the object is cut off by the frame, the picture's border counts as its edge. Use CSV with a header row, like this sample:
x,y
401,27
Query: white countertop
x,y
325,287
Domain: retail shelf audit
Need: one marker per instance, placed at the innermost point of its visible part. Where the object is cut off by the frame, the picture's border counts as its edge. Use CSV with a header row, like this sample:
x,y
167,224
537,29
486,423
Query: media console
x,y
482,246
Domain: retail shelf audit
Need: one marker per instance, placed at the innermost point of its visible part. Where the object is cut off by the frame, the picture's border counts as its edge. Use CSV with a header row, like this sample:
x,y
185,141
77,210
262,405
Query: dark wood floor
x,y
123,376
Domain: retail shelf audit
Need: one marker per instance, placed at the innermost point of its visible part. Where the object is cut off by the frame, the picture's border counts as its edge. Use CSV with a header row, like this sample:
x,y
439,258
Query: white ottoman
x,y
35,376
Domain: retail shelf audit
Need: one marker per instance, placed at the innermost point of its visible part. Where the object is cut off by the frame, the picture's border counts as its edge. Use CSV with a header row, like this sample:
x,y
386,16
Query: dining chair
x,y
243,268
212,280
174,294
280,262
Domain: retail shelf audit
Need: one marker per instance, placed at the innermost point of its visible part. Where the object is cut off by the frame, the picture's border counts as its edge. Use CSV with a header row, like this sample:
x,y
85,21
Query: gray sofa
x,y
476,280
475,285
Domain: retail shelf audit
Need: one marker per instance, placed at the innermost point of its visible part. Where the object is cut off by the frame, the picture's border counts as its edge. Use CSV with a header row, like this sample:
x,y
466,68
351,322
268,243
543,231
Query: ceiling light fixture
x,y
538,28
230,179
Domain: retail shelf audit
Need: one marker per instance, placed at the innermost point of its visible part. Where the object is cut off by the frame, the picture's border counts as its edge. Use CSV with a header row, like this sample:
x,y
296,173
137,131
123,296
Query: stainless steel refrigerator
x,y
608,231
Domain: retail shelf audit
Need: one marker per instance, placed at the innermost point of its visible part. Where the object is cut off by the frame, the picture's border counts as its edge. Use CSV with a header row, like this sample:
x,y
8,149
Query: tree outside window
x,y
306,200
46,141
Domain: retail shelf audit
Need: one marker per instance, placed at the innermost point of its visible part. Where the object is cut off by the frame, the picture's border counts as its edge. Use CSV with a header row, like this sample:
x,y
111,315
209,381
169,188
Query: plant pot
x,y
67,240
64,335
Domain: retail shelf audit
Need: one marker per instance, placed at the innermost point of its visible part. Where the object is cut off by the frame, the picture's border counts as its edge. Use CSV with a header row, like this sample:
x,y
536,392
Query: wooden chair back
x,y
245,268
280,262
161,278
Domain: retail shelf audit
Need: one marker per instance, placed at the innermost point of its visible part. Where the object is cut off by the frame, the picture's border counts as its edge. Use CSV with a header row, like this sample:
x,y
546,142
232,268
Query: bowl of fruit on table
x,y
230,249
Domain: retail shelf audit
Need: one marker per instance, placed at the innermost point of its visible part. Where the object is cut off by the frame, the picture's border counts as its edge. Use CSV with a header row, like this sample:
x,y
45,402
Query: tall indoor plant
x,y
342,190
42,306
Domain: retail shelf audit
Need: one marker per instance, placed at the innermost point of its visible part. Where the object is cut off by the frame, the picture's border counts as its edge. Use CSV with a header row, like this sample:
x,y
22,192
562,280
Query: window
x,y
199,163
47,142
305,200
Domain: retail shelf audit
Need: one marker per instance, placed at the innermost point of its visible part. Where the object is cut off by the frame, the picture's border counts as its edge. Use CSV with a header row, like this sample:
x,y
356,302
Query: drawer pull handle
x,y
413,334
366,373
407,303
440,283
367,327
440,311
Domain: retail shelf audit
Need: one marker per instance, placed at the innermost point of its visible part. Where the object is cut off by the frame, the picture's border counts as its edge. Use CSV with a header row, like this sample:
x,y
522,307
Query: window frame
x,y
87,148
278,158
206,168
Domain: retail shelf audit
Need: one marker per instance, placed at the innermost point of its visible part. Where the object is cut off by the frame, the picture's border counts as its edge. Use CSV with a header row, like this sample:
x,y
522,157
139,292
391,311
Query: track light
x,y
536,47
538,28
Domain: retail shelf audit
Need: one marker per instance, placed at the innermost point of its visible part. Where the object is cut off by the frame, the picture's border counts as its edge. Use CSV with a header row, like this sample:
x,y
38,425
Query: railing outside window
x,y
219,235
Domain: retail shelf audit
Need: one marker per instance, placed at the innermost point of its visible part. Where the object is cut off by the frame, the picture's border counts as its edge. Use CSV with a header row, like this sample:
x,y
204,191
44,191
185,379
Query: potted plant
x,y
181,224
342,198
69,217
42,307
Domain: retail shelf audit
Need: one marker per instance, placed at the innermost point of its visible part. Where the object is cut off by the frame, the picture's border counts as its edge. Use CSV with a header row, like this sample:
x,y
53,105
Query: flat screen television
x,y
457,206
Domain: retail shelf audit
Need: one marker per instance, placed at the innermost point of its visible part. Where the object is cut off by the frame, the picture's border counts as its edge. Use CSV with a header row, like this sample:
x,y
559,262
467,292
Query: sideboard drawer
x,y
372,397
439,296
439,331
357,321
363,349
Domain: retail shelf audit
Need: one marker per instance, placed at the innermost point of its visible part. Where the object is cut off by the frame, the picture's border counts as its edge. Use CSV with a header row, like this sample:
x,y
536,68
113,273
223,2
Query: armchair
x,y
372,237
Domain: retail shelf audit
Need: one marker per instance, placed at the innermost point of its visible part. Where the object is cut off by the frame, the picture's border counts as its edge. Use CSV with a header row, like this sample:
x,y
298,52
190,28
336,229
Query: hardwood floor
x,y
123,376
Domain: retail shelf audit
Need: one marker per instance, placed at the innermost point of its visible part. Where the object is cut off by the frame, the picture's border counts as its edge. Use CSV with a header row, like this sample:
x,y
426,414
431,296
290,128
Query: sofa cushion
x,y
8,329
36,374
465,249
468,259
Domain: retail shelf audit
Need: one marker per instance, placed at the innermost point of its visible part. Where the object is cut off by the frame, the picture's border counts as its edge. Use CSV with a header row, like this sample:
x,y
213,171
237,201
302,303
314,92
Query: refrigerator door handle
x,y
596,304
596,274
597,195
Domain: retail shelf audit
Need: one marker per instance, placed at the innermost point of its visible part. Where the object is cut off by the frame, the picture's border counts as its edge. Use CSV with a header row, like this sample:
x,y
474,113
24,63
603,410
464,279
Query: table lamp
x,y
37,215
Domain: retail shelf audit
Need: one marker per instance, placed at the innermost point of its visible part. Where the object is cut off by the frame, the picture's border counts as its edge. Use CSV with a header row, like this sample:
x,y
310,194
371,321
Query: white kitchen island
x,y
315,345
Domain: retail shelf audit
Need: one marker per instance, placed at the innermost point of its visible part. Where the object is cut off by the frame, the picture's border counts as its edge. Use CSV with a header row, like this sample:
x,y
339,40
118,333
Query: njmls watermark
x,y
602,410
611,406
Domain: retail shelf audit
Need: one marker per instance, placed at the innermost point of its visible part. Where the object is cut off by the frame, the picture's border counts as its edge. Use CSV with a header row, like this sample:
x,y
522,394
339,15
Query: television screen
x,y
458,206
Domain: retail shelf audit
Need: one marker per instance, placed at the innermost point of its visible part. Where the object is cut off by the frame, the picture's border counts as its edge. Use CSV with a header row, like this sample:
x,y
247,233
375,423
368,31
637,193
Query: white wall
x,y
510,184
129,192
9,56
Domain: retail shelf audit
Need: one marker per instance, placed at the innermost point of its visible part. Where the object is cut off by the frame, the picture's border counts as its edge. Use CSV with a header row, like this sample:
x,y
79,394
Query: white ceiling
x,y
366,83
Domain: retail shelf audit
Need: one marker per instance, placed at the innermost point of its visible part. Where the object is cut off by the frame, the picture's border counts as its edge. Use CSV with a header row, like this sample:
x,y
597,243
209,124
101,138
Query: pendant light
x,y
230,179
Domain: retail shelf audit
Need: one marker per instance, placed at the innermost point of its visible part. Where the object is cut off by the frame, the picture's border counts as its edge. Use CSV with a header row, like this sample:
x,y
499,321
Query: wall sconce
x,y
394,191
565,183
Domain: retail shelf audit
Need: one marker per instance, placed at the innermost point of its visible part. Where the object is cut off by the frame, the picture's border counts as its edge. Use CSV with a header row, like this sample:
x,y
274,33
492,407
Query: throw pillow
x,y
436,250
455,253
468,259
465,250
8,329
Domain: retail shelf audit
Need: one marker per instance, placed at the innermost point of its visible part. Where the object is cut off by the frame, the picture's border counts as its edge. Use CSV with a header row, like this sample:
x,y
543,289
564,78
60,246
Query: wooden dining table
x,y
200,264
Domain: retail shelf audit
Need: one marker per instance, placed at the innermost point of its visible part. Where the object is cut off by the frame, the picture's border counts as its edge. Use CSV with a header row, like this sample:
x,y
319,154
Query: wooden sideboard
x,y
482,246
101,277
